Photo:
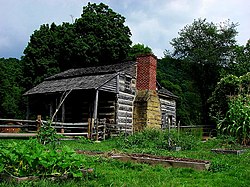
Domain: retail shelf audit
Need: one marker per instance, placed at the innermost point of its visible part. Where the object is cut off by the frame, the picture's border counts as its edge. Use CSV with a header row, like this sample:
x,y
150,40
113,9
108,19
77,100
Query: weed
x,y
157,139
47,135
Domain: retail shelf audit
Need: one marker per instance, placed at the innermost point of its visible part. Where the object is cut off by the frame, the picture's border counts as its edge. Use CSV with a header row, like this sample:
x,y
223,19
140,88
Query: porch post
x,y
95,112
96,104
28,109
63,112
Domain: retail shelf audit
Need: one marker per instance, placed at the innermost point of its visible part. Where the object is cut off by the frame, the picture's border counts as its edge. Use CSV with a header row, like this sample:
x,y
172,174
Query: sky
x,y
153,23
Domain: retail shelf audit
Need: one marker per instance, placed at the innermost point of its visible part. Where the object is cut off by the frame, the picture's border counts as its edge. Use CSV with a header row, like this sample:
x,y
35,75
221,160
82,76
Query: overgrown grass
x,y
225,170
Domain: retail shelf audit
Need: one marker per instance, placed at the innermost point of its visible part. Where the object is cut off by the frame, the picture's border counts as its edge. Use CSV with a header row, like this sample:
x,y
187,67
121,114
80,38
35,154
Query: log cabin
x,y
125,94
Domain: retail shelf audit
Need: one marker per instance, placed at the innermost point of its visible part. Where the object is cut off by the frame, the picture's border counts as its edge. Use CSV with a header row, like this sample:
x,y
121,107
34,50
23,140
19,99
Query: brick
x,y
146,72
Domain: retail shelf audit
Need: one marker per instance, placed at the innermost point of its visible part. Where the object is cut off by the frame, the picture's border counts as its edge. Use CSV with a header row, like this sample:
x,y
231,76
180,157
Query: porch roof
x,y
84,79
71,83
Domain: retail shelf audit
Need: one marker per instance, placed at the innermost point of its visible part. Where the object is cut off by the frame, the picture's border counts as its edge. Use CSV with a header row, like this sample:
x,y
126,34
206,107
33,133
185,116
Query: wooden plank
x,y
67,124
18,120
22,135
64,127
107,114
17,134
74,134
16,126
106,107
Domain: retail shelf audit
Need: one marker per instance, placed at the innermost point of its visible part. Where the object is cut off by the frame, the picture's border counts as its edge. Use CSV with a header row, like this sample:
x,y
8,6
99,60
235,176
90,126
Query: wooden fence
x,y
99,130
207,130
92,130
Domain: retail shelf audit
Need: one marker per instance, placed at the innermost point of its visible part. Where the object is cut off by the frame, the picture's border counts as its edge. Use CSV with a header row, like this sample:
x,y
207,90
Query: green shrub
x,y
32,158
158,139
47,135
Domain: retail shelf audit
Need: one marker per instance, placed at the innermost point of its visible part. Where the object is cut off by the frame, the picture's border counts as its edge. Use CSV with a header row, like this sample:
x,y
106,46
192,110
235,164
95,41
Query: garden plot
x,y
155,160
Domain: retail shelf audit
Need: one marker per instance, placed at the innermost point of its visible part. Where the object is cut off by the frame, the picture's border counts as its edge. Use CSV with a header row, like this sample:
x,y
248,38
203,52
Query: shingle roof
x,y
82,78
114,68
167,93
74,83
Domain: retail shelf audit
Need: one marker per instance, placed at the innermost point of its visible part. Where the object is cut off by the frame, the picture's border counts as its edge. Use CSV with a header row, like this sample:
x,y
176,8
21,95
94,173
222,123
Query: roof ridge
x,y
92,70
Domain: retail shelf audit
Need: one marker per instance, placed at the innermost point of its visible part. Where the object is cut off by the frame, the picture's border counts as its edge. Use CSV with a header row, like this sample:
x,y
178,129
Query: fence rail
x,y
12,127
92,130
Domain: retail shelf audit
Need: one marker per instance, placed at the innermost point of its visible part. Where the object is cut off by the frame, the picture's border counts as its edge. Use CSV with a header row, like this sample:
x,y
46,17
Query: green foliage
x,y
33,159
98,37
48,135
206,48
227,88
241,64
11,90
230,106
158,139
172,74
225,170
237,120
186,139
138,49
218,166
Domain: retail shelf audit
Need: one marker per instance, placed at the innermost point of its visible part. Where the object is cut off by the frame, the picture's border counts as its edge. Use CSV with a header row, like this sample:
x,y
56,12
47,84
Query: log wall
x,y
168,108
125,100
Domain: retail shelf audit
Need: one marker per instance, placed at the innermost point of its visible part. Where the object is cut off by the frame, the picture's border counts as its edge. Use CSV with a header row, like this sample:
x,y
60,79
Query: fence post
x,y
38,122
96,123
178,129
104,129
89,128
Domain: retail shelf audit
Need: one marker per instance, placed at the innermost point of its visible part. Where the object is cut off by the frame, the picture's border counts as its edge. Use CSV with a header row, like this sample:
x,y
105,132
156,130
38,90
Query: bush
x,y
32,158
158,139
47,134
187,139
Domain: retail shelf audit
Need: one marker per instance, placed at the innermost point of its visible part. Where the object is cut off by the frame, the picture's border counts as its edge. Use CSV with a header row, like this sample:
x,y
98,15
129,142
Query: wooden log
x,y
18,120
97,132
39,122
18,135
89,128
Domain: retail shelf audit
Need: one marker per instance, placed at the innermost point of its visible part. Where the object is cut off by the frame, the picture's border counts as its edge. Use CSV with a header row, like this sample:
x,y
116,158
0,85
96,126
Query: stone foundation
x,y
147,111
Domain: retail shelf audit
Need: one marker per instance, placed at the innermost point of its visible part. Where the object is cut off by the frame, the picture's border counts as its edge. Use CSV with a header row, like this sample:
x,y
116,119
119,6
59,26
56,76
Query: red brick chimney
x,y
146,72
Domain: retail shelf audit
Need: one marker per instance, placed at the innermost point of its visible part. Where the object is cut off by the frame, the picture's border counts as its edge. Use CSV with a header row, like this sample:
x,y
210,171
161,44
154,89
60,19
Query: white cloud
x,y
153,22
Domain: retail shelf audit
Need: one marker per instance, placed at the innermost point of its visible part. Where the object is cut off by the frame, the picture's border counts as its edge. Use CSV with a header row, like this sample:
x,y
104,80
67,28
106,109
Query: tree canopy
x,y
11,77
241,63
206,48
98,37
138,49
172,74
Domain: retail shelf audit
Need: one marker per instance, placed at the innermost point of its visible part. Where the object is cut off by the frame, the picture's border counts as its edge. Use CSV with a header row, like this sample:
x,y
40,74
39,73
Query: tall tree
x,y
11,76
98,37
103,31
172,74
206,48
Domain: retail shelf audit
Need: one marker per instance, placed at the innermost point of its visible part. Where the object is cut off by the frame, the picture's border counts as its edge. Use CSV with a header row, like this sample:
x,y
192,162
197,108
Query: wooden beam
x,y
117,83
51,109
28,109
96,104
63,112
95,111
